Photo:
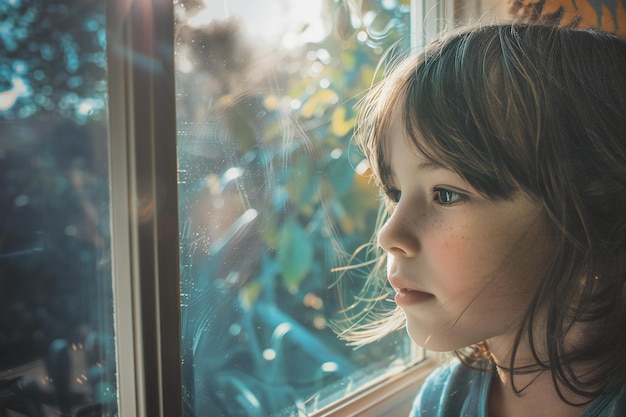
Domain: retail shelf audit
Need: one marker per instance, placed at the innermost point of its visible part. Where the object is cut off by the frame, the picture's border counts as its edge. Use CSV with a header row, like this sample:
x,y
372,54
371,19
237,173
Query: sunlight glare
x,y
292,23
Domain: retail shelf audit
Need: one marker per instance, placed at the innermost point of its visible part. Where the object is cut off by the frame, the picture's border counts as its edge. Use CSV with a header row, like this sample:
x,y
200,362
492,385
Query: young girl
x,y
501,151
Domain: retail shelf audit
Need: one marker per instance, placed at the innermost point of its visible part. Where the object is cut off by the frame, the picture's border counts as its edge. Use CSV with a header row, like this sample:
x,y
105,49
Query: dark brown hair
x,y
538,109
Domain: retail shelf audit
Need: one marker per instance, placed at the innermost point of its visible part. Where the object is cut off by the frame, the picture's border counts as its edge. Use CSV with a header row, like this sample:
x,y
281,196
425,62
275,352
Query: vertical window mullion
x,y
145,232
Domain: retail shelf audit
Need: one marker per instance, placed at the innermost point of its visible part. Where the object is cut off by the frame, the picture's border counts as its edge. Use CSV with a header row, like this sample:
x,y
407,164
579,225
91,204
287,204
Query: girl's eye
x,y
447,197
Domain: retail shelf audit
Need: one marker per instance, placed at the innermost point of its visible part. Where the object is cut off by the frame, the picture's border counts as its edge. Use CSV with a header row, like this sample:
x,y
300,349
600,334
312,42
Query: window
x,y
269,199
57,339
177,178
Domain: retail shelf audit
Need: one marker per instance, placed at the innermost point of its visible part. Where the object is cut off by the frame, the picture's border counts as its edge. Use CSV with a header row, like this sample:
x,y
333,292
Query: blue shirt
x,y
456,390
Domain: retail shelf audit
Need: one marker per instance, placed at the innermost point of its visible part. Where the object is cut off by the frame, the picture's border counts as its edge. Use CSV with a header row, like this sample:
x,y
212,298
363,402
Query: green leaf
x,y
295,254
300,183
341,174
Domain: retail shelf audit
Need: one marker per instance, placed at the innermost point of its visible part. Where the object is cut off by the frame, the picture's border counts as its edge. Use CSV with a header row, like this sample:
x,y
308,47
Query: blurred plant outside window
x,y
271,199
57,352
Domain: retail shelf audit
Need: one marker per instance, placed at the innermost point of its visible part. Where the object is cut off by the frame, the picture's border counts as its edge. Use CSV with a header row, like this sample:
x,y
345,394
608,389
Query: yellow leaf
x,y
347,225
271,102
339,125
250,293
318,102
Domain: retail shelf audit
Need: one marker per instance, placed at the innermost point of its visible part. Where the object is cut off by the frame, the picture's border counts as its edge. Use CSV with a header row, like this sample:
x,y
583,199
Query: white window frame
x,y
144,206
145,250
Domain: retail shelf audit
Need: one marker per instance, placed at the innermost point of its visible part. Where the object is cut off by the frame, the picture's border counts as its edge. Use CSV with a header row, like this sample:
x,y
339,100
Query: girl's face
x,y
464,267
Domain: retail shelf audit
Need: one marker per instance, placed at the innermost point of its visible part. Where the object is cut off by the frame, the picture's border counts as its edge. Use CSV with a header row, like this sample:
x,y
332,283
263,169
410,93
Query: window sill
x,y
392,397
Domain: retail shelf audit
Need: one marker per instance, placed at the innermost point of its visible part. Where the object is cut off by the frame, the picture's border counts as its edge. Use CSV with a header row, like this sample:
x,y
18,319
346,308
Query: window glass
x,y
57,353
271,199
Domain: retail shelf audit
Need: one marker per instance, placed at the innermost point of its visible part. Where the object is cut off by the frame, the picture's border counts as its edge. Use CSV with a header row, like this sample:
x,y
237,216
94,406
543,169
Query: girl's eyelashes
x,y
447,197
441,195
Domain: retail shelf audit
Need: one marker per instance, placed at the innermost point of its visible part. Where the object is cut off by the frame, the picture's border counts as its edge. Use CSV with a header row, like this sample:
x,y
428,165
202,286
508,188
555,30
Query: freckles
x,y
448,244
454,252
450,251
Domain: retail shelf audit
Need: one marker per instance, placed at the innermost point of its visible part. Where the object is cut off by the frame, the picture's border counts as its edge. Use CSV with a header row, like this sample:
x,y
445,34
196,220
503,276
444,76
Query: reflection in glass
x,y
57,354
270,199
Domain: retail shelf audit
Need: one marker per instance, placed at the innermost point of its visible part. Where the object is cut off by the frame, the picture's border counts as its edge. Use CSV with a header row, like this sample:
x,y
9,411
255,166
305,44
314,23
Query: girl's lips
x,y
406,297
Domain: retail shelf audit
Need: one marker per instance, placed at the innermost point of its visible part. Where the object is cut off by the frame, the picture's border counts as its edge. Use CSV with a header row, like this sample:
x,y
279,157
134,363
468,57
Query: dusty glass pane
x,y
271,199
57,353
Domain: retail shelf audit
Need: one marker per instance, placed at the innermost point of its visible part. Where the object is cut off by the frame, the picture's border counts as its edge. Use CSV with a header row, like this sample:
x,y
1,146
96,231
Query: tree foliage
x,y
53,59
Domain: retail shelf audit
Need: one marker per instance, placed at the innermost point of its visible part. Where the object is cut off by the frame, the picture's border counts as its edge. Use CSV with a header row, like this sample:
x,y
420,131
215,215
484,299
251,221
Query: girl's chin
x,y
430,339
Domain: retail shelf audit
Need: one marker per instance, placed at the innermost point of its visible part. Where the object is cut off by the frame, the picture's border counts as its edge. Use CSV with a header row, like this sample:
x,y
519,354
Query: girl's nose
x,y
398,237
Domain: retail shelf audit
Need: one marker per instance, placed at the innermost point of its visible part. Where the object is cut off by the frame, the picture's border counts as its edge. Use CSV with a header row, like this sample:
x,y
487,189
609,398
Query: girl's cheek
x,y
447,240
451,256
459,259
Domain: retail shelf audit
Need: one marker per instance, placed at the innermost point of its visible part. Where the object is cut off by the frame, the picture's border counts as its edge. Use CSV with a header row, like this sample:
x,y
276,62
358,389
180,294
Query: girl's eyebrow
x,y
431,166
422,166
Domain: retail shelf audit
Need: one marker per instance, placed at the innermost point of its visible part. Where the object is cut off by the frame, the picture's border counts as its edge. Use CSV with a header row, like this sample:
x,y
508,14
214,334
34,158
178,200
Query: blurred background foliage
x,y
53,60
273,196
56,306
